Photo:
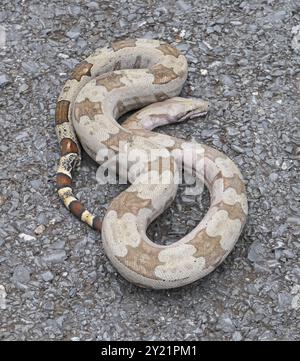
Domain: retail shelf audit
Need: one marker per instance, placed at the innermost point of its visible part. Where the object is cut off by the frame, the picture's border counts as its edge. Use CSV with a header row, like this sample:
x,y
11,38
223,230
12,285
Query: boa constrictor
x,y
127,75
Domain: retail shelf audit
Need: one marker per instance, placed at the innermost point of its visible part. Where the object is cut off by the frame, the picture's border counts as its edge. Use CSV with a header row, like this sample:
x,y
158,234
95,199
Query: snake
x,y
146,76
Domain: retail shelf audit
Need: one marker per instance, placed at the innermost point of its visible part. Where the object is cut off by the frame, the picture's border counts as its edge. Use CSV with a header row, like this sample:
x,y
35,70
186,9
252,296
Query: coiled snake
x,y
132,74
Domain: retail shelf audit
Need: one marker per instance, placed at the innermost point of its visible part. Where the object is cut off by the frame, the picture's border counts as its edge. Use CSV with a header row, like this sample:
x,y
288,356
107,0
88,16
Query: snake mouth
x,y
193,114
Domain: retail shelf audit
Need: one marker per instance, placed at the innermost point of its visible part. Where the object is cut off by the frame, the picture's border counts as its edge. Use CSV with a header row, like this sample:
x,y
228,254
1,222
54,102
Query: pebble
x,y
21,275
75,338
4,80
92,5
31,67
183,5
23,87
2,200
3,295
48,306
75,9
55,256
40,229
237,148
26,237
256,252
243,62
73,33
296,38
47,276
295,303
225,324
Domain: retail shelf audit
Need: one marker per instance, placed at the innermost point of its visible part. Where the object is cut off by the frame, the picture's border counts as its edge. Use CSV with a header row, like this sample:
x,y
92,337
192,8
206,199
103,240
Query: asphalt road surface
x,y
55,281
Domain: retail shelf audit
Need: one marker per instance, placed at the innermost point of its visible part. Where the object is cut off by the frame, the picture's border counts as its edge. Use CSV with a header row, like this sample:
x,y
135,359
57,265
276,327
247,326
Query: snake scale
x,y
147,75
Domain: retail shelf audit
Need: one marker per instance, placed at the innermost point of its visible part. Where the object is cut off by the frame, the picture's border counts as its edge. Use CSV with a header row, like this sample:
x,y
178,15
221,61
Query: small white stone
x,y
182,33
295,29
236,22
26,237
203,72
63,56
39,229
75,338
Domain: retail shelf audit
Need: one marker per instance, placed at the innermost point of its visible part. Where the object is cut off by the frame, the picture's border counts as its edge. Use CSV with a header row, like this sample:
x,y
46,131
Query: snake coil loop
x,y
147,75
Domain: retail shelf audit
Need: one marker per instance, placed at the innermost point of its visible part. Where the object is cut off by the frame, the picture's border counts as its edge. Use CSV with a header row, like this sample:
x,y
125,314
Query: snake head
x,y
188,108
173,110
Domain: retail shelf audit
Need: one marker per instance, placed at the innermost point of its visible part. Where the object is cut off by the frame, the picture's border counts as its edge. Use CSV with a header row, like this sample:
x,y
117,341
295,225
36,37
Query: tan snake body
x,y
132,74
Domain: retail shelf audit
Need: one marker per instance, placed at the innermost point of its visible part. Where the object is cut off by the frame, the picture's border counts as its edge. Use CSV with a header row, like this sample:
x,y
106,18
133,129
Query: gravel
x,y
55,281
4,80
